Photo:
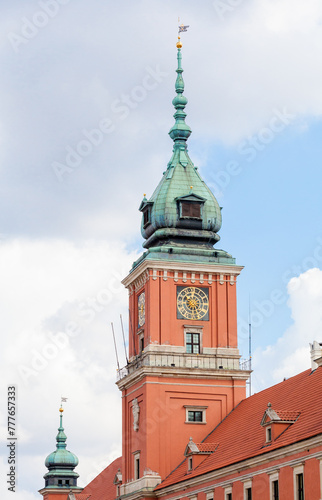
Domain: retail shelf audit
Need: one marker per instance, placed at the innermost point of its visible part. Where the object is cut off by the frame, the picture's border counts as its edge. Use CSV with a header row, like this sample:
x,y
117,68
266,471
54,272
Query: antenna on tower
x,y
250,345
117,358
127,360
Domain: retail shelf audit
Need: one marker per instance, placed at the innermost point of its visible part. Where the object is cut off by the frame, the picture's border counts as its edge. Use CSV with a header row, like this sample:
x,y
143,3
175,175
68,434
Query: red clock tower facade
x,y
183,375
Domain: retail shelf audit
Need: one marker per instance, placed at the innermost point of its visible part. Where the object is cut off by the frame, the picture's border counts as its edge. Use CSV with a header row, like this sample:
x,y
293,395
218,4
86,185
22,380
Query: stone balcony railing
x,y
183,360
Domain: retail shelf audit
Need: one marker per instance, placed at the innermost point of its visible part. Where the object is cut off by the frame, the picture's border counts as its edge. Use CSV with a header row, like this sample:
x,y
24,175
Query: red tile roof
x,y
81,496
240,435
102,487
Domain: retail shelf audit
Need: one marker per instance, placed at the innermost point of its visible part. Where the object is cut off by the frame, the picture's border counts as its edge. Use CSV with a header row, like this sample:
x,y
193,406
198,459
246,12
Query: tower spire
x,y
180,131
177,217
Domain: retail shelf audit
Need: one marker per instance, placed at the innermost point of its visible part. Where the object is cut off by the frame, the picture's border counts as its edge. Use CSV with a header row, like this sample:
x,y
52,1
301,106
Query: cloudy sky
x,y
85,99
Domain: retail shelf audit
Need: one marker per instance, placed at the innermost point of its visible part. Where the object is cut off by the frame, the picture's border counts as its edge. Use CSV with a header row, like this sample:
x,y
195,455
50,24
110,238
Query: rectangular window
x,y
228,493
193,343
268,434
275,490
136,465
195,416
248,494
137,468
300,486
141,344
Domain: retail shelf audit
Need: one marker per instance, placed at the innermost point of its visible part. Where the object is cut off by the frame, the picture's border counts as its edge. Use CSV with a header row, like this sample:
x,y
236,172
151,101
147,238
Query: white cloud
x,y
290,354
46,285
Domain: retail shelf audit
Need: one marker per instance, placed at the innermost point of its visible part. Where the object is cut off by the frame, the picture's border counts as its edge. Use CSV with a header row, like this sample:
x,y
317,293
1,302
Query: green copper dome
x,y
61,463
182,210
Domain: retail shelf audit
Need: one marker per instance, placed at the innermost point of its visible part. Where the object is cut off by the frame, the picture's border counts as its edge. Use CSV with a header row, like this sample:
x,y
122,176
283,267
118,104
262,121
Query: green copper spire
x,y
180,131
182,218
61,463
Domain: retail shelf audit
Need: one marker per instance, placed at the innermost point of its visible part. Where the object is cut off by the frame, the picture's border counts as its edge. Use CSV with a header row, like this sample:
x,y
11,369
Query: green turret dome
x,y
182,210
61,463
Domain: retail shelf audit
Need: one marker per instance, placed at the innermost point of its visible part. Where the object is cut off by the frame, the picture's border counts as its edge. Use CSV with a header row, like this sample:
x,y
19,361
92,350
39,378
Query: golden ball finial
x,y
179,44
61,409
191,187
144,195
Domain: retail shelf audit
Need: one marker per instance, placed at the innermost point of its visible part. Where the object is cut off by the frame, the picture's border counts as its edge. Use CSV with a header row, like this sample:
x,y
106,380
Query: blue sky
x,y
69,224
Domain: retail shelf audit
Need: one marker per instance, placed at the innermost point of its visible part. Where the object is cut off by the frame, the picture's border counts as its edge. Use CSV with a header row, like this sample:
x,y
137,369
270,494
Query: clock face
x,y
141,308
192,303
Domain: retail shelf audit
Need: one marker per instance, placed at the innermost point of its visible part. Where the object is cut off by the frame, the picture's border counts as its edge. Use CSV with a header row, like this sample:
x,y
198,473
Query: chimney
x,y
316,355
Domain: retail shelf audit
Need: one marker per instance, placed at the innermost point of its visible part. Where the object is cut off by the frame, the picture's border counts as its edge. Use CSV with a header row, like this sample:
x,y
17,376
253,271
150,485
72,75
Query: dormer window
x,y
146,216
277,421
190,210
145,208
190,207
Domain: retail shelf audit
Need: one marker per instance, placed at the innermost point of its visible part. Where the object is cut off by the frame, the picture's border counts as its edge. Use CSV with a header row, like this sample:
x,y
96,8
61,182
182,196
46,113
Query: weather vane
x,y
62,400
181,29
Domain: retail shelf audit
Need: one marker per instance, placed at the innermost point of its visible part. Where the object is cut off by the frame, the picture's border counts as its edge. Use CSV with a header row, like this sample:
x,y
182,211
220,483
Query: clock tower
x,y
183,376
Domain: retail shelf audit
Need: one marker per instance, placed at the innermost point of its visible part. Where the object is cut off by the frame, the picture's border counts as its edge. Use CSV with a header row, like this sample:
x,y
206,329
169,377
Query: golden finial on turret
x,y
179,43
61,409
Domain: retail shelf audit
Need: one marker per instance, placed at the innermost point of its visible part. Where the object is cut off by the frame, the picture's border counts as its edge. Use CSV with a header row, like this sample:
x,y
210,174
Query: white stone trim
x,y
273,476
210,495
247,485
297,469
228,491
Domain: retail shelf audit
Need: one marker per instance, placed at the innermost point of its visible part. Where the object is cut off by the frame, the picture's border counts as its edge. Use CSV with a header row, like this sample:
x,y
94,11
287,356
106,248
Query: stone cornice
x,y
188,267
188,373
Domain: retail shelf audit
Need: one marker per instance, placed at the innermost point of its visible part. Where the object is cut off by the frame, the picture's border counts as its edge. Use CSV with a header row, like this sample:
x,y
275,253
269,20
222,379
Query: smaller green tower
x,y
61,464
